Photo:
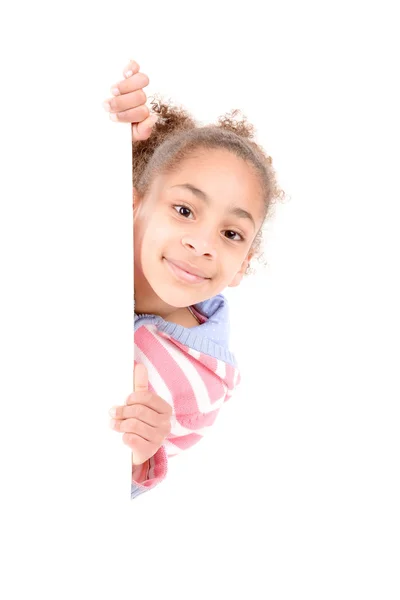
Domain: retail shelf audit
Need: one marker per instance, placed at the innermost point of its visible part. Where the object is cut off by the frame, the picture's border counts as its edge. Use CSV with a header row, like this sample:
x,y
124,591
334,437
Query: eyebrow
x,y
237,211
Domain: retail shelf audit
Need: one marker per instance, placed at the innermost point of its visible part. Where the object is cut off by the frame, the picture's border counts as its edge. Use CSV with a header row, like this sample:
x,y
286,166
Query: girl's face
x,y
203,218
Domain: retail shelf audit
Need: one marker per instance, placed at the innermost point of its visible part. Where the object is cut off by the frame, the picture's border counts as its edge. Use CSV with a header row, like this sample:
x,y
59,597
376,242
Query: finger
x,y
151,401
142,131
131,68
134,83
141,448
127,101
141,383
140,412
154,435
134,115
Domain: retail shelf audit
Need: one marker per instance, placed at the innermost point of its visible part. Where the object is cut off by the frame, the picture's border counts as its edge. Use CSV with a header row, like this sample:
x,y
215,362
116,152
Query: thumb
x,y
141,379
143,130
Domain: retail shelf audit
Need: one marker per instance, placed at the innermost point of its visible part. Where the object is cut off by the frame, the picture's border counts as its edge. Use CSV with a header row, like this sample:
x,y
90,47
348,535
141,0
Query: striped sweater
x,y
190,368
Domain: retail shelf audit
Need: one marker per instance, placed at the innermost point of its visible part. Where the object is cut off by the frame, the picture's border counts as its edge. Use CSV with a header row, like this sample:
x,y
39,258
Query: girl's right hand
x,y
128,104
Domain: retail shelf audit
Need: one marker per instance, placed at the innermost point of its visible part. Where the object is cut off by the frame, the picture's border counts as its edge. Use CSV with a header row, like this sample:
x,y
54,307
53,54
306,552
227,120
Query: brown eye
x,y
181,208
235,233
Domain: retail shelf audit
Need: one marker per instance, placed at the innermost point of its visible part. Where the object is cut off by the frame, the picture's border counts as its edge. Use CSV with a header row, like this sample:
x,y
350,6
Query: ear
x,y
239,275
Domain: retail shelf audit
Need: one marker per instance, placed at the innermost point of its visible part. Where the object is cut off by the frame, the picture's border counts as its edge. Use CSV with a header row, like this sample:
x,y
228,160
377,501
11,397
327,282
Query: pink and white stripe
x,y
194,384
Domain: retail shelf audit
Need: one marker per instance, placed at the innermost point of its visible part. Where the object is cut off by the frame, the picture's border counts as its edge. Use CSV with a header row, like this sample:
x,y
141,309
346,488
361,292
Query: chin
x,y
174,297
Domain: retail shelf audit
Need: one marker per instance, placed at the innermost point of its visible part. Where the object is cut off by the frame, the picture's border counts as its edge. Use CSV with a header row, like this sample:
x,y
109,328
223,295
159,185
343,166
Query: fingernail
x,y
112,412
114,117
115,91
106,106
128,73
112,423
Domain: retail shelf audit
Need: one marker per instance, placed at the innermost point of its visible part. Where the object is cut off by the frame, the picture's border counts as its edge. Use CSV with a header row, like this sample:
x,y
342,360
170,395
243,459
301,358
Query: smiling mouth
x,y
184,275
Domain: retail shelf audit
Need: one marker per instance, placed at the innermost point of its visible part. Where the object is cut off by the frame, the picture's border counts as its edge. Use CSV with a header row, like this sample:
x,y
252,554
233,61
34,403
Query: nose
x,y
199,245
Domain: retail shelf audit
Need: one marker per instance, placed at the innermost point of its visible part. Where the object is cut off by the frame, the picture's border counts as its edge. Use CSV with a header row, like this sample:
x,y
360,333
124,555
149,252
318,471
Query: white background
x,y
295,493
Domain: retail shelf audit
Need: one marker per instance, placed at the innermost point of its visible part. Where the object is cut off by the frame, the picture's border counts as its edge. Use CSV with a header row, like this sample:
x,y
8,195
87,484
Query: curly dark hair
x,y
176,135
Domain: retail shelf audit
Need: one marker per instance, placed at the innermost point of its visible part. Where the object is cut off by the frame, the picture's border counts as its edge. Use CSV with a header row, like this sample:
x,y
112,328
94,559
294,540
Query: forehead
x,y
222,175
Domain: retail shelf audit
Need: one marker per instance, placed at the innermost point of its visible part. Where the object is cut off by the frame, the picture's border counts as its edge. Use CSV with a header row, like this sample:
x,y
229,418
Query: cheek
x,y
232,264
151,236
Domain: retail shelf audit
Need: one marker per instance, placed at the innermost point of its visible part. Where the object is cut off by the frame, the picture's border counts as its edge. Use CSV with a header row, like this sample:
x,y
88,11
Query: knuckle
x,y
145,397
144,112
113,104
138,411
141,97
119,412
134,425
124,426
145,79
127,439
123,86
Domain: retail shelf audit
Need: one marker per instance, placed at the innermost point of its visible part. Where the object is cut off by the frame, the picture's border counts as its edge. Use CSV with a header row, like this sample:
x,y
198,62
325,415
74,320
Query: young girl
x,y
200,198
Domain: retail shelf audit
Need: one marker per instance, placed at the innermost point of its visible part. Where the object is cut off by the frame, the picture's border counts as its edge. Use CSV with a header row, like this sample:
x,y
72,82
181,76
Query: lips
x,y
188,268
180,273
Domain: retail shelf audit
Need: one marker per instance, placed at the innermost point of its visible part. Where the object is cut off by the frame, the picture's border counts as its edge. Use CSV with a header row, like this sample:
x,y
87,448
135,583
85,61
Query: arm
x,y
150,473
140,472
195,400
145,421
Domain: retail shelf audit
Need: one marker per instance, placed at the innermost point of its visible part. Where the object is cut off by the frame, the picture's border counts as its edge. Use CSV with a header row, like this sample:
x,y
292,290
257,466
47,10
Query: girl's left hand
x,y
145,421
